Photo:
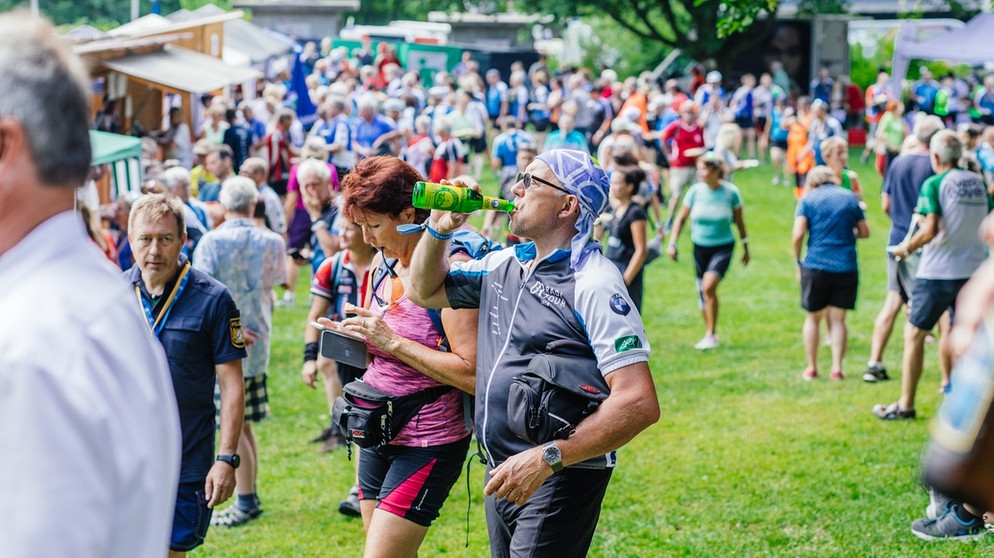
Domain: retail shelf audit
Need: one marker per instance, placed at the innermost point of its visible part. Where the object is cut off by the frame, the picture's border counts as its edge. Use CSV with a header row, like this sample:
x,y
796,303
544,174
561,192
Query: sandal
x,y
233,516
893,412
809,374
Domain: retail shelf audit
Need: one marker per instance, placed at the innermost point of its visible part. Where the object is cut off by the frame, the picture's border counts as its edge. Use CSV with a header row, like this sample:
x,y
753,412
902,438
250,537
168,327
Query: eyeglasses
x,y
526,178
164,240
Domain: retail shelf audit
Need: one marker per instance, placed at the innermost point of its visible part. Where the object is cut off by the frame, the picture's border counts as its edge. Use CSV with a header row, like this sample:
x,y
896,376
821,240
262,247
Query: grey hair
x,y
45,87
153,207
820,176
239,194
367,101
946,146
422,124
927,127
313,167
337,102
171,177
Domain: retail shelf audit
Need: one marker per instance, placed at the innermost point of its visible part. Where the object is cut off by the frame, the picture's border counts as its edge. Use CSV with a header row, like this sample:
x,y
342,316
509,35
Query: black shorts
x,y
713,259
541,124
760,124
558,520
479,144
411,482
931,298
779,144
661,160
745,123
820,289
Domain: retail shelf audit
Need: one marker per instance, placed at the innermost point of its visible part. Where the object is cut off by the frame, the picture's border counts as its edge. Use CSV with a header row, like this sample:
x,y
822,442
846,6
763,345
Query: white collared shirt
x,y
90,442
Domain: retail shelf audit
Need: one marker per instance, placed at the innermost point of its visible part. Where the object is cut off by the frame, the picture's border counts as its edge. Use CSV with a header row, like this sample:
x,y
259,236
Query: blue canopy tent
x,y
123,154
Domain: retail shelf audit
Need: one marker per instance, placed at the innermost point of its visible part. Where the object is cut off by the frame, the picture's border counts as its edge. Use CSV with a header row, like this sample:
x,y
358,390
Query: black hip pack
x,y
560,388
370,418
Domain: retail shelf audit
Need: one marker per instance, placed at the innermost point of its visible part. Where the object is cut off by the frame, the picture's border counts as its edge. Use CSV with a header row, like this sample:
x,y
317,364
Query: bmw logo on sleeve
x,y
619,305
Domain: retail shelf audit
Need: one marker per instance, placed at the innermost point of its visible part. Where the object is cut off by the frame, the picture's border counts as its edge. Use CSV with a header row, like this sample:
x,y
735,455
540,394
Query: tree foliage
x,y
103,14
702,29
381,12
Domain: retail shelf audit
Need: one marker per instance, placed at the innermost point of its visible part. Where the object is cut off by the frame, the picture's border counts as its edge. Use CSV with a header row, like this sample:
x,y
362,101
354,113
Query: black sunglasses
x,y
526,178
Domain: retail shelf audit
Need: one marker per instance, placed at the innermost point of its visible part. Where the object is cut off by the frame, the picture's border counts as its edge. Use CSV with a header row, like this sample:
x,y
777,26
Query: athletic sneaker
x,y
233,516
938,504
875,373
287,301
893,412
809,374
710,341
950,526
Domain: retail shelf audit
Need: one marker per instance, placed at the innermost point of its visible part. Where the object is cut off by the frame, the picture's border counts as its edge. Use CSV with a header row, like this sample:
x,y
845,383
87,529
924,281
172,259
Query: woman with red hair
x,y
403,484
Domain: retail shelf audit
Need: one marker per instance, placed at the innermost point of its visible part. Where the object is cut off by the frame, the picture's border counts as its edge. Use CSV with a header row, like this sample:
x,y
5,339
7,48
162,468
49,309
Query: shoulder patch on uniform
x,y
235,331
622,344
619,305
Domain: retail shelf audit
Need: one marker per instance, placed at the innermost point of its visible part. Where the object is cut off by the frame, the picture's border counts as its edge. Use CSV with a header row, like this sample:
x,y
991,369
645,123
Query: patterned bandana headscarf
x,y
579,173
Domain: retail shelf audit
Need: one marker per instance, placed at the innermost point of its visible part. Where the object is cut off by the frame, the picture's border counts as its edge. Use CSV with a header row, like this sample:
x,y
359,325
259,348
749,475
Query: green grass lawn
x,y
747,459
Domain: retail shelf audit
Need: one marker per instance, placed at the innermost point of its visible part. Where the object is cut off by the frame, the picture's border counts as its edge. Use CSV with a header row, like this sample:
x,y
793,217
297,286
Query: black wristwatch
x,y
552,456
231,459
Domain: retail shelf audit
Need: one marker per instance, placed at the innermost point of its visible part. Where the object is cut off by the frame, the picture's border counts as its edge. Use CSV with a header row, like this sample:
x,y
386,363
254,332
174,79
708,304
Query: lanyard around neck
x,y
156,324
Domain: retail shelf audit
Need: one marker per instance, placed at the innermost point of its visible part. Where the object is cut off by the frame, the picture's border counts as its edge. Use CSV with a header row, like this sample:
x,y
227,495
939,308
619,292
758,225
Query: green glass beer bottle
x,y
430,195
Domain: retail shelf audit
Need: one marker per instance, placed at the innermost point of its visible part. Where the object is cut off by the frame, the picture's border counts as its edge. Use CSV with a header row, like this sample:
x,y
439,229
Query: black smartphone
x,y
343,348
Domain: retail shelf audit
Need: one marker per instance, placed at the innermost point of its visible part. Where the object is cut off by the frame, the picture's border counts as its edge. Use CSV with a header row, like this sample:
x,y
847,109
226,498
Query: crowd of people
x,y
232,214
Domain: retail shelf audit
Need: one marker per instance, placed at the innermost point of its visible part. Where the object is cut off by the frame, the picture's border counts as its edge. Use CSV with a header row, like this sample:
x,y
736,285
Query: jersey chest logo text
x,y
548,295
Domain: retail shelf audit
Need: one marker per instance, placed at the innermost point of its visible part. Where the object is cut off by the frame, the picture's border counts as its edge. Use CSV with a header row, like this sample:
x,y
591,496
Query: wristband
x,y
408,229
745,240
435,233
798,262
672,245
319,224
311,351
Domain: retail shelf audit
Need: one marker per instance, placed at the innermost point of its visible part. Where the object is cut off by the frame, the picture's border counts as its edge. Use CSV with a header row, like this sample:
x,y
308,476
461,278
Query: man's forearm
x,y
232,407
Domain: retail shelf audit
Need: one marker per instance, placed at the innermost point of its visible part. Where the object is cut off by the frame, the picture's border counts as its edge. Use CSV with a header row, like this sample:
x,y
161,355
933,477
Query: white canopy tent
x,y
973,44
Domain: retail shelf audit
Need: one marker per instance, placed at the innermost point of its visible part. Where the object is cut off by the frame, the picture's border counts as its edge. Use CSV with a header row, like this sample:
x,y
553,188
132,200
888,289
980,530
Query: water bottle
x,y
430,195
960,458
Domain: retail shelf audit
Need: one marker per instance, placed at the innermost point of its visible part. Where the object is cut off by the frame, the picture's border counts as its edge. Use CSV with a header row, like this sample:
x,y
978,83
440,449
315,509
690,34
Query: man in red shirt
x,y
852,102
687,137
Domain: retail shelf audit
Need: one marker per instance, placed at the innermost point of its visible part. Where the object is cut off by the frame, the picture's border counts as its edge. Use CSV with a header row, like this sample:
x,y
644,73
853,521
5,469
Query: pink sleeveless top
x,y
438,423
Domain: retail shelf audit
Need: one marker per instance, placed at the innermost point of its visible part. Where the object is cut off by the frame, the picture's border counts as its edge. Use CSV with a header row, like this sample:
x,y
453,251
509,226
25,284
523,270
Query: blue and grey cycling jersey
x,y
525,304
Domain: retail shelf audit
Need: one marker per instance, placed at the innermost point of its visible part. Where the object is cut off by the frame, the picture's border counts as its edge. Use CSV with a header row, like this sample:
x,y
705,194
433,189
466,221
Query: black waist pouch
x,y
370,418
560,388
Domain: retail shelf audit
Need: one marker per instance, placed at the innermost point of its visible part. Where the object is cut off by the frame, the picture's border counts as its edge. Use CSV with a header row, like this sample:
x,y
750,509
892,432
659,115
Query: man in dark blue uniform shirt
x,y
197,322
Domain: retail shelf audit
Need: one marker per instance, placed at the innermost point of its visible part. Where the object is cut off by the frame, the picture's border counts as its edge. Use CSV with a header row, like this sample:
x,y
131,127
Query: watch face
x,y
552,455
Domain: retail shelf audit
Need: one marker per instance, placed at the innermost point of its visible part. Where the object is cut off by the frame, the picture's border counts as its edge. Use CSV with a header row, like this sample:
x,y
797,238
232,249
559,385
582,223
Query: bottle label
x,y
442,197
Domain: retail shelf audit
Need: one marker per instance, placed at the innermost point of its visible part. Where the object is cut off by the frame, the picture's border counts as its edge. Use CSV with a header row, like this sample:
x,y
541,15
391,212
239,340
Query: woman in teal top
x,y
712,204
